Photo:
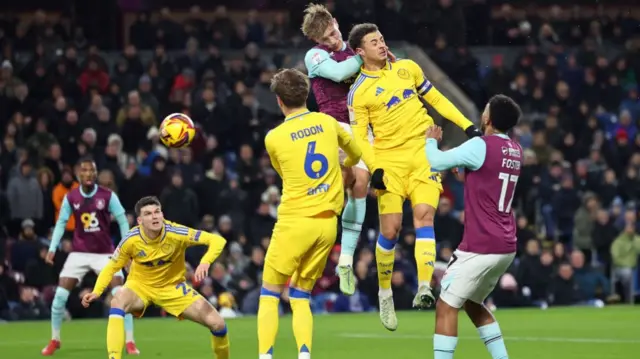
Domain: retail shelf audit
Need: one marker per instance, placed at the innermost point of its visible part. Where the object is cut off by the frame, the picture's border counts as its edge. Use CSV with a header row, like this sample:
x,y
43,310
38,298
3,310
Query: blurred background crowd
x,y
67,90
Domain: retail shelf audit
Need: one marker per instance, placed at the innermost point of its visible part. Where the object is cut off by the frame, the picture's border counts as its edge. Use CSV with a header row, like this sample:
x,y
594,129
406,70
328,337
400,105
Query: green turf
x,y
563,333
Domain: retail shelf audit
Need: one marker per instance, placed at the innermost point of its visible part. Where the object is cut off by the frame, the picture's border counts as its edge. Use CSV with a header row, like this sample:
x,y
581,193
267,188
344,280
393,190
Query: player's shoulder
x,y
358,88
406,64
314,57
104,189
175,228
131,237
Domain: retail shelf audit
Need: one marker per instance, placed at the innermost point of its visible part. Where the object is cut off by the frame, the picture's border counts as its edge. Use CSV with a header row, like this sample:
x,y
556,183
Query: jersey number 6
x,y
310,158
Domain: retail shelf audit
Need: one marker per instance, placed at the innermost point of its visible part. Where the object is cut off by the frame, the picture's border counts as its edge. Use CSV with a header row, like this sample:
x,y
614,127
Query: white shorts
x,y
78,264
472,276
343,156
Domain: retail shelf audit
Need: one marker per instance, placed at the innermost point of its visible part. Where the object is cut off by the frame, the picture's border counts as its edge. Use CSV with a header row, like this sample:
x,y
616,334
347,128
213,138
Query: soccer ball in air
x,y
177,130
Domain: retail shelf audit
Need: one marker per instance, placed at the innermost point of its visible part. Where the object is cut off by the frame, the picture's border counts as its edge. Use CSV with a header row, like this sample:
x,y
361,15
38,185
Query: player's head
x,y
367,41
87,171
319,26
291,88
149,213
501,114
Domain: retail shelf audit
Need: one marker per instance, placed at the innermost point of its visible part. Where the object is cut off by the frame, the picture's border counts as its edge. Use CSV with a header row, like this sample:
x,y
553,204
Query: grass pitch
x,y
563,333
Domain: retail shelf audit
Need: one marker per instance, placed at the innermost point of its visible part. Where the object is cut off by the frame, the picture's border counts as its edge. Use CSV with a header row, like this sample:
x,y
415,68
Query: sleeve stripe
x,y
196,238
426,89
354,87
422,84
177,230
134,232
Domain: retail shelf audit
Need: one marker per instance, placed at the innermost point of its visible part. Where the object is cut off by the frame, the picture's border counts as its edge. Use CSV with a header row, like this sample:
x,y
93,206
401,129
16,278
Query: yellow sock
x,y
267,321
385,256
302,319
115,333
220,343
425,254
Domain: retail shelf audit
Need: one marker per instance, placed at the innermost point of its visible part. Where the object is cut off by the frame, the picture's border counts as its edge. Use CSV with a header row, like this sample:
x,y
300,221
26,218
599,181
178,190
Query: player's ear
x,y
139,220
359,51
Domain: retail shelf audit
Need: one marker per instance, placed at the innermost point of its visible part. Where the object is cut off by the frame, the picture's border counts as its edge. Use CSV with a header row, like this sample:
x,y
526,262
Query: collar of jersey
x,y
375,74
90,194
296,114
146,239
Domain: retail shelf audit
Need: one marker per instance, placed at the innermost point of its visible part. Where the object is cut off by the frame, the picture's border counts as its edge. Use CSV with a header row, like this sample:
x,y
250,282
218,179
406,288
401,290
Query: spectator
x,y
625,250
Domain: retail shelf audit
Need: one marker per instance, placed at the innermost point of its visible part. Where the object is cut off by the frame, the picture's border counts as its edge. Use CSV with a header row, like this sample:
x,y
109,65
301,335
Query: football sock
x,y
267,322
385,256
128,320
444,346
492,338
352,218
302,321
115,333
58,308
425,254
220,343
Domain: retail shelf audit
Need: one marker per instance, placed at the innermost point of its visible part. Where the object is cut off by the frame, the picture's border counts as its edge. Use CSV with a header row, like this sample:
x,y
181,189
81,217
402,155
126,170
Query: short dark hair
x,y
504,113
358,33
146,201
291,86
86,159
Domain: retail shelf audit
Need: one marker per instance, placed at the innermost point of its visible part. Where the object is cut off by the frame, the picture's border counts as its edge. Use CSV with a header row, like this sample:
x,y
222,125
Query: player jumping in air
x,y
386,96
489,242
156,248
304,152
92,207
332,66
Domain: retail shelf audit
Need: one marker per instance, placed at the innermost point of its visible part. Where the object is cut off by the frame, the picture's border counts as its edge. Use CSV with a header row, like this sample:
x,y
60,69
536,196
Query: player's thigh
x,y
76,266
314,261
424,195
175,299
461,280
494,265
128,299
290,241
202,312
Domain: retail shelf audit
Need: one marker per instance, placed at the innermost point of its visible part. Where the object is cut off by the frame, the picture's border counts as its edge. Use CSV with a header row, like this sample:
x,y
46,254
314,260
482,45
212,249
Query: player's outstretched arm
x,y
214,242
470,154
440,103
348,145
117,210
270,146
120,258
320,64
58,230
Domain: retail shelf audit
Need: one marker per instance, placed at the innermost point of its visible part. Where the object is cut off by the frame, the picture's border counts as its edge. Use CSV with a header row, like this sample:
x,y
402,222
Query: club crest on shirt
x,y
403,74
100,203
167,248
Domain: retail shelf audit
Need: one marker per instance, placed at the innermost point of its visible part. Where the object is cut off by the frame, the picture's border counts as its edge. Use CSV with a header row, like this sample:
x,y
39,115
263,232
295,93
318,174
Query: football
x,y
177,130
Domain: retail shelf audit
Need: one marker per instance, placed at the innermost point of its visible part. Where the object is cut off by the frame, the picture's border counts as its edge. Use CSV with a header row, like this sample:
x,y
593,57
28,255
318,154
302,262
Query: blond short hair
x,y
316,20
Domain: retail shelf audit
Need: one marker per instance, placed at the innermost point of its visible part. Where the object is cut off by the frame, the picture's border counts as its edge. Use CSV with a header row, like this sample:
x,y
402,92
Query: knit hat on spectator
x,y
6,64
28,223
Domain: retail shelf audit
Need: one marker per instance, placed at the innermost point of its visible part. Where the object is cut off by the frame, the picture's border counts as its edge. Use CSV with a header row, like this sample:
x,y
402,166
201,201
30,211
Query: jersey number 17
x,y
506,179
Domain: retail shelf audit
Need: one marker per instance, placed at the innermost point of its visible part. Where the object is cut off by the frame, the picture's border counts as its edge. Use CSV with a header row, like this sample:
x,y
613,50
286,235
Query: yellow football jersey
x,y
304,151
157,262
388,100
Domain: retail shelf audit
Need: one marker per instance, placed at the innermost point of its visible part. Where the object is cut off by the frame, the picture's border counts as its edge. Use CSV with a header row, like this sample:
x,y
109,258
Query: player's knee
x,y
423,215
119,301
361,186
390,232
214,321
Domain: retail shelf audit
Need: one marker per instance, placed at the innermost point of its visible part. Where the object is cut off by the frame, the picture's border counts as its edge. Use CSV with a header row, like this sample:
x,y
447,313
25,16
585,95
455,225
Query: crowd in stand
x,y
577,197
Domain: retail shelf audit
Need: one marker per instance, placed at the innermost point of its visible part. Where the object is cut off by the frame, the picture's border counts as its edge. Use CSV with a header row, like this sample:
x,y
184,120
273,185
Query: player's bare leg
x,y
124,302
390,225
488,329
132,349
202,312
58,312
352,218
445,338
425,254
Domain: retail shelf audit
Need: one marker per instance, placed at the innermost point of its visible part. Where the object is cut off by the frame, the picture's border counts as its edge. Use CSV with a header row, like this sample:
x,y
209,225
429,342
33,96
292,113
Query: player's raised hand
x,y
202,272
88,298
49,258
435,132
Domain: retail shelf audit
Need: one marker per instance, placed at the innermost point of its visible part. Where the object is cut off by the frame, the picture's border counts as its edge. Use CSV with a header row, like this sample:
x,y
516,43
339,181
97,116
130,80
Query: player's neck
x,y
87,189
290,111
375,65
151,234
492,131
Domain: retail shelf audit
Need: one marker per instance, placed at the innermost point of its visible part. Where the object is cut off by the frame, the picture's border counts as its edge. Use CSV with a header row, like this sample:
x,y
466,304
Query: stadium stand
x,y
575,71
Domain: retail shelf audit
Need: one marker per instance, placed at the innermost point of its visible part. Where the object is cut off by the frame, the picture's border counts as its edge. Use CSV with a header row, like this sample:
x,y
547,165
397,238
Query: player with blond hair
x,y
387,97
332,67
304,151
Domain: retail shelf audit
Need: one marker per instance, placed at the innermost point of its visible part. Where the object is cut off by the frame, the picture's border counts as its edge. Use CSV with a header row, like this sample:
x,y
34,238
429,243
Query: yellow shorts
x,y
300,246
410,178
174,299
